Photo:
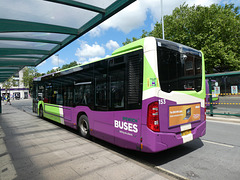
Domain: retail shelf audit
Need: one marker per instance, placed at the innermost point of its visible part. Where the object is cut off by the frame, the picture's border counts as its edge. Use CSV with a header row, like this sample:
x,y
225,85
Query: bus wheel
x,y
41,112
83,126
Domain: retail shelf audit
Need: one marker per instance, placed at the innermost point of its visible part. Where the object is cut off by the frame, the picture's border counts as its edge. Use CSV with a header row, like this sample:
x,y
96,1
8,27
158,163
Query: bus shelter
x,y
32,31
223,93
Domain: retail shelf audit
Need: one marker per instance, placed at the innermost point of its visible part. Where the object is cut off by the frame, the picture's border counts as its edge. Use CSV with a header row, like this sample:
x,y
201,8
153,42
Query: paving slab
x,y
32,148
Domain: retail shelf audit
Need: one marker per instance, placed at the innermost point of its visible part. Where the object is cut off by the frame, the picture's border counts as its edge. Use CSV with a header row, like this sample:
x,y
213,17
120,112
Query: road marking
x,y
220,144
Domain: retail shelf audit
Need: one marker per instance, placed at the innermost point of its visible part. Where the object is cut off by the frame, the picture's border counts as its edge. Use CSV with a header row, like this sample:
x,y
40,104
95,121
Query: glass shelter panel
x,y
223,94
42,12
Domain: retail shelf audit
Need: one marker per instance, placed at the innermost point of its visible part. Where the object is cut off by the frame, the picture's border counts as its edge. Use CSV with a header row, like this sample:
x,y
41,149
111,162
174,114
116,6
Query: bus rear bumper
x,y
156,142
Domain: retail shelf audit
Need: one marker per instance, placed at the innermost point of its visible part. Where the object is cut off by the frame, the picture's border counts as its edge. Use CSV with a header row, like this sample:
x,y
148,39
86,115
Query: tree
x,y
72,64
65,66
53,70
28,74
129,41
215,30
144,34
8,84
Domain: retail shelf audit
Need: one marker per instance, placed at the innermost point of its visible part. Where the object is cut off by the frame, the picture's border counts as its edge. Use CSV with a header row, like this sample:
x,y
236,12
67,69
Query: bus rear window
x,y
179,71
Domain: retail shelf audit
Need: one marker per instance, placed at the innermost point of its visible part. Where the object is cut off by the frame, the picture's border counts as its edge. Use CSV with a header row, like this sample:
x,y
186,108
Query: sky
x,y
101,41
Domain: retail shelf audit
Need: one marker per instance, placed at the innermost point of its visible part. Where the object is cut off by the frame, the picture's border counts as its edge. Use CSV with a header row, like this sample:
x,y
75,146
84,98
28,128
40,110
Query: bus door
x,y
125,99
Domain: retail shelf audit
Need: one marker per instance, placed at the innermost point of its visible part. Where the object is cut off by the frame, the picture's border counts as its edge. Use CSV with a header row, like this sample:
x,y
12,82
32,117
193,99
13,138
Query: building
x,y
18,91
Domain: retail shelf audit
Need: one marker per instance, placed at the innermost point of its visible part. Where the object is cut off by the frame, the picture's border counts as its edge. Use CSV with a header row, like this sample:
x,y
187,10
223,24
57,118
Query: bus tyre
x,y
83,126
41,112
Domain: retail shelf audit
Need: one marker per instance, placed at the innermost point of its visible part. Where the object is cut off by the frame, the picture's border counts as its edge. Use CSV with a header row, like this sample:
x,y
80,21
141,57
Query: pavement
x,y
32,148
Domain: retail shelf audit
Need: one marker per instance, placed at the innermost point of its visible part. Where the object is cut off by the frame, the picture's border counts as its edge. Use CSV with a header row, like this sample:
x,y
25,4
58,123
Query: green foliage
x,y
215,30
65,66
129,40
8,84
53,70
144,34
28,74
72,64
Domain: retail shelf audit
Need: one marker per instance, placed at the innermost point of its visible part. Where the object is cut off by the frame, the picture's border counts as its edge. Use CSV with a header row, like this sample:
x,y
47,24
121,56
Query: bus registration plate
x,y
184,133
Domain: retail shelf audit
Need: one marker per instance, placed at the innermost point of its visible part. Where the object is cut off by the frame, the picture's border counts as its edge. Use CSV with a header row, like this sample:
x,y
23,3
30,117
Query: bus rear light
x,y
152,117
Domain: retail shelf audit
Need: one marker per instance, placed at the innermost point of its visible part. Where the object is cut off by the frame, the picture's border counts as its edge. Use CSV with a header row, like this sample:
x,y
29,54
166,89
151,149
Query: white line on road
x,y
220,144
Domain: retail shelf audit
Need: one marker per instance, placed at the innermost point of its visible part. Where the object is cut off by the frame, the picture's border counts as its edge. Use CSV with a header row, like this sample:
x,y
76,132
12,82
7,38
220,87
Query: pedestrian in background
x,y
8,99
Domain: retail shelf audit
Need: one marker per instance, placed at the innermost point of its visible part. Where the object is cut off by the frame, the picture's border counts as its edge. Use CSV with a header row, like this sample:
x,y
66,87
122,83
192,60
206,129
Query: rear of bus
x,y
173,107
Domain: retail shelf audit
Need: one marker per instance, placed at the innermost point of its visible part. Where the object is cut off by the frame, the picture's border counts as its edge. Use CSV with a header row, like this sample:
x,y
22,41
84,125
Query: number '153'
x,y
162,101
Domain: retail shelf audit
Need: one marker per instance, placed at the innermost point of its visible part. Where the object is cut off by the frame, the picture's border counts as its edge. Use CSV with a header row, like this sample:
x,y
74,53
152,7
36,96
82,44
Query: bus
x,y
148,96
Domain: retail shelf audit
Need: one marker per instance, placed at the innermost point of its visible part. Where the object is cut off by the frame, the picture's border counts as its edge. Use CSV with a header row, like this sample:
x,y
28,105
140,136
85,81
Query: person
x,y
8,99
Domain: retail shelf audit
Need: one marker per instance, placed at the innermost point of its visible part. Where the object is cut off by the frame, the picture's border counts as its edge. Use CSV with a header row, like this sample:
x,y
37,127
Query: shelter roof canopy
x,y
32,31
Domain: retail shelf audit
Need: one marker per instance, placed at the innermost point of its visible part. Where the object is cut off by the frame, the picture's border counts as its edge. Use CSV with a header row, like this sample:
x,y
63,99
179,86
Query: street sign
x,y
234,89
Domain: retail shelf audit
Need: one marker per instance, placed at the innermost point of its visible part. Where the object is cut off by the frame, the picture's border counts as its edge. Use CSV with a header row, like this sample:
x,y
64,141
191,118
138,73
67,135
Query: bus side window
x,y
48,93
101,92
68,96
117,83
83,87
83,94
58,94
100,76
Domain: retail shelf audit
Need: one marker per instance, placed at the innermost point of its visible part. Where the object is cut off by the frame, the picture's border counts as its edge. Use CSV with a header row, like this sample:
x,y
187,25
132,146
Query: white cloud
x,y
95,32
134,15
88,52
55,59
129,18
94,59
112,45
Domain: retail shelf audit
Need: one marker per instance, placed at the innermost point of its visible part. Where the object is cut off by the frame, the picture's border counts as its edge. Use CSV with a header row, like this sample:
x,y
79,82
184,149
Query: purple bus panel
x,y
128,129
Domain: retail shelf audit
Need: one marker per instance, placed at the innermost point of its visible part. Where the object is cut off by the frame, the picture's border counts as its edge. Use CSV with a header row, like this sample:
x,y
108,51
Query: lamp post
x,y
162,19
58,60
